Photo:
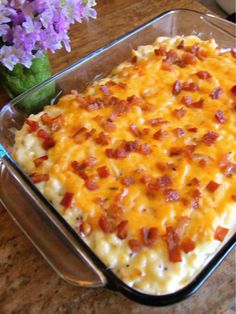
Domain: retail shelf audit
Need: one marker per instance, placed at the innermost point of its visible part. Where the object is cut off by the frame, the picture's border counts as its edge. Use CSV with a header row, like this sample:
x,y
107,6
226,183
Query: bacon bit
x,y
82,174
193,49
85,229
204,75
33,125
38,161
175,151
179,132
108,126
122,108
106,224
146,179
165,66
156,121
220,233
190,86
226,166
130,146
118,153
164,166
219,115
48,143
173,245
197,194
216,93
186,100
192,129
103,172
198,103
77,166
179,113
160,134
152,187
92,107
177,87
105,89
113,117
43,134
189,58
134,100
115,211
234,197
145,131
171,195
36,177
135,130
164,181
210,138
126,181
81,135
187,245
233,52
182,224
202,159
103,139
212,186
91,185
149,236
185,201
134,245
67,200
46,119
171,56
180,45
194,181
57,123
161,51
233,90
144,149
90,162
122,229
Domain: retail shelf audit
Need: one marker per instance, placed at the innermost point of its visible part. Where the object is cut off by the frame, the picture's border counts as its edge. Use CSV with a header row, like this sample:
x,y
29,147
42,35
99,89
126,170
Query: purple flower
x,y
28,28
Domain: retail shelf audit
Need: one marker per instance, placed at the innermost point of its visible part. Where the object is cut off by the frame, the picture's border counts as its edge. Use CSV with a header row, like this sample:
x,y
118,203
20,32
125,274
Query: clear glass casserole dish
x,y
66,252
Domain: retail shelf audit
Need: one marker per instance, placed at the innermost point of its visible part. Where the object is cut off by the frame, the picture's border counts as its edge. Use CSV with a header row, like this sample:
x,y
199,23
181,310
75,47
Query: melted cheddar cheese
x,y
142,163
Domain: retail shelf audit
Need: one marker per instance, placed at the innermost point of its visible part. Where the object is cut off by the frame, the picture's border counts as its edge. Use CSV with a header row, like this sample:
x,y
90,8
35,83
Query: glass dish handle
x,y
70,264
220,23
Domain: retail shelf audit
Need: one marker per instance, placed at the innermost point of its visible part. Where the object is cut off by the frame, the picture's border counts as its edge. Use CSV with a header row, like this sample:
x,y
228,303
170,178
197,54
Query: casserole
x,y
97,268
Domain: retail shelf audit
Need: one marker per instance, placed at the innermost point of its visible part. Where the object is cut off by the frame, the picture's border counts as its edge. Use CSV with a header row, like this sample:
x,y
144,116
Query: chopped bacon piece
x,y
130,146
233,197
203,159
149,236
108,126
113,116
187,245
164,166
157,121
219,115
134,100
92,106
126,181
210,138
122,229
195,181
144,149
118,153
103,172
106,224
164,181
192,129
171,195
160,134
220,233
67,200
103,139
180,45
179,132
216,93
212,186
146,179
123,107
38,161
182,224
226,166
175,151
43,134
173,245
48,143
57,123
46,119
134,245
161,51
33,125
90,161
197,194
115,211
177,87
37,177
134,59
81,135
233,52
165,66
186,100
190,86
233,90
179,113
85,229
189,58
91,185
135,130
171,56
198,103
204,75
105,89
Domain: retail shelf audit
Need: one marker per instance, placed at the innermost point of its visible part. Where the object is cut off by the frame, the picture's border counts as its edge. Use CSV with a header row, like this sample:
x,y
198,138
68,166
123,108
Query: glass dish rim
x,y
113,281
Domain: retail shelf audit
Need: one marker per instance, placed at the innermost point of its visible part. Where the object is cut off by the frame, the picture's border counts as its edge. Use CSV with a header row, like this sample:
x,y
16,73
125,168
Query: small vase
x,y
20,79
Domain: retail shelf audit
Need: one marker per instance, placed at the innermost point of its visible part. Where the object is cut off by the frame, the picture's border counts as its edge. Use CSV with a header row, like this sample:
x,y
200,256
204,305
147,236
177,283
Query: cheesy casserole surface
x,y
142,164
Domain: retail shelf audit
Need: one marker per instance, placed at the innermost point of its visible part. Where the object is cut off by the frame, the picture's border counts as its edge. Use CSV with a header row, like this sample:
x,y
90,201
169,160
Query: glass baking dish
x,y
60,245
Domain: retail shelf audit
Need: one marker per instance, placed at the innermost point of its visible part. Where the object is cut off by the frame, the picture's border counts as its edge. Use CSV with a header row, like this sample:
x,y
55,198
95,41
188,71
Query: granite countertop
x,y
27,283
